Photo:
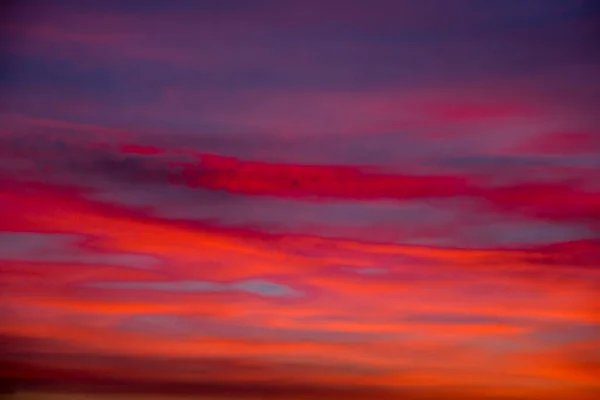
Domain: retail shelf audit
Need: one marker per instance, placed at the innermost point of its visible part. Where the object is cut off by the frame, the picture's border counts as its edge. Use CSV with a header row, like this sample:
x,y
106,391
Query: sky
x,y
342,199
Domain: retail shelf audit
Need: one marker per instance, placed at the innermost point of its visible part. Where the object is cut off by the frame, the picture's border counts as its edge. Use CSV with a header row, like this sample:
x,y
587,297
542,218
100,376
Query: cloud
x,y
253,286
316,199
63,248
551,201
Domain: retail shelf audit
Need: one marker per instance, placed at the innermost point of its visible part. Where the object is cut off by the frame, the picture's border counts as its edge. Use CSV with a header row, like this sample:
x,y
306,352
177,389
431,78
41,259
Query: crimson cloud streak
x,y
253,199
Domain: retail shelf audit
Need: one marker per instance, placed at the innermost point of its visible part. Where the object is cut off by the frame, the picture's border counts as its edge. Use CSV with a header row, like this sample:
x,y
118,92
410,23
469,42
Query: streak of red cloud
x,y
563,143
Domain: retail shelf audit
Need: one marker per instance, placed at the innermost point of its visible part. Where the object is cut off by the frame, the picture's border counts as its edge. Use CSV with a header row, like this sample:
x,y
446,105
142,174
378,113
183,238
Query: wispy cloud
x,y
254,286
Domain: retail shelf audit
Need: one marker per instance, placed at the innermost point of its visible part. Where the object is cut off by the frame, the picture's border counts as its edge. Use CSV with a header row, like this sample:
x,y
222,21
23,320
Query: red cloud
x,y
563,143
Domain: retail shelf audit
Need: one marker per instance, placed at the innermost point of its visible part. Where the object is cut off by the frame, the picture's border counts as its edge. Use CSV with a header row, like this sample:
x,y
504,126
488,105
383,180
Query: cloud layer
x,y
262,199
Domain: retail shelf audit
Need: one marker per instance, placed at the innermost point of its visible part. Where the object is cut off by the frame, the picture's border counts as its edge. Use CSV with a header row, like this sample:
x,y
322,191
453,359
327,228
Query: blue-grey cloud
x,y
252,286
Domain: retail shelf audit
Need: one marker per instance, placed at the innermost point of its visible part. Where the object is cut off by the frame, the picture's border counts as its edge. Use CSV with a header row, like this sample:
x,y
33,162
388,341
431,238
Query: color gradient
x,y
316,199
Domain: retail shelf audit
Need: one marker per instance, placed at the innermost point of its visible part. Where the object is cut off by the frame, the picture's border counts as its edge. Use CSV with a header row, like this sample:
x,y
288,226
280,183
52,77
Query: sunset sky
x,y
300,199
